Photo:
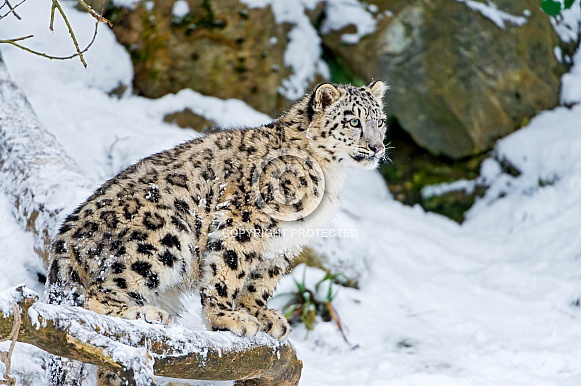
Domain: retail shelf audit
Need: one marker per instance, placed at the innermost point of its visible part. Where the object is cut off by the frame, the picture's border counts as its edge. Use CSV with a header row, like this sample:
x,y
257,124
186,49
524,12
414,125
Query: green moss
x,y
452,204
187,20
153,42
209,20
240,68
340,73
112,12
244,14
414,168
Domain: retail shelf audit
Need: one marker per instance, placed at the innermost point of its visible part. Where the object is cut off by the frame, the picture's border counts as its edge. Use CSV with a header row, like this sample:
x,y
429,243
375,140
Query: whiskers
x,y
385,157
360,153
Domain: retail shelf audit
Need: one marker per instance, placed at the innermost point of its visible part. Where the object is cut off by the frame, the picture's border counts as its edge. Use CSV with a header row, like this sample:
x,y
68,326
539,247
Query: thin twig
x,y
335,317
21,38
66,20
52,8
97,16
12,10
56,6
13,42
6,356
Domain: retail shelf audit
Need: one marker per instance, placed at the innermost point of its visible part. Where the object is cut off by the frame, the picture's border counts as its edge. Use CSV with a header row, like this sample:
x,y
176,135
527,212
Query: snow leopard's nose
x,y
377,149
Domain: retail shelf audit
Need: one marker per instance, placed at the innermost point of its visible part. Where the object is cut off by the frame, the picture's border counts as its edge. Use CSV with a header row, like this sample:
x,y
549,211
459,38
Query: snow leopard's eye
x,y
355,122
381,122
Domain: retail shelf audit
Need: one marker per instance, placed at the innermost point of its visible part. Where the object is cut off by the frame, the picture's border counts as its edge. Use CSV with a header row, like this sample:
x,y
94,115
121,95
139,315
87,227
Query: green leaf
x,y
551,7
301,288
331,295
569,3
289,310
309,316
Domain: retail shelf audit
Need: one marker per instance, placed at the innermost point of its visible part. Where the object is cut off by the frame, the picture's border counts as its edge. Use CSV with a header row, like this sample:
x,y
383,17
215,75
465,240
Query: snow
x,y
440,189
567,24
182,341
571,85
19,261
492,301
490,10
82,324
343,13
303,53
180,9
126,3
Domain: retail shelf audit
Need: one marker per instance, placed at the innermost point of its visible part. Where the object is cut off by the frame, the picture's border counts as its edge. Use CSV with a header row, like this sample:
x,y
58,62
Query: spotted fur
x,y
216,214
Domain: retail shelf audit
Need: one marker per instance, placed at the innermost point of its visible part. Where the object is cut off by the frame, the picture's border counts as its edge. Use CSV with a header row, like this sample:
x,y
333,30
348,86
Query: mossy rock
x,y
414,168
186,118
220,48
453,204
458,80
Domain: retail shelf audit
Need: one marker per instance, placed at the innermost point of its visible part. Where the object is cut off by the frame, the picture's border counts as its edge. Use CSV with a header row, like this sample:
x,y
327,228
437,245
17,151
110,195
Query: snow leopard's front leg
x,y
224,273
258,290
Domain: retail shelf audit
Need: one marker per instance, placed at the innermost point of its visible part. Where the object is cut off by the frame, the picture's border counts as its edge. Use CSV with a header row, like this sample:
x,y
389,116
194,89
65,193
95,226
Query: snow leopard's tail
x,y
63,371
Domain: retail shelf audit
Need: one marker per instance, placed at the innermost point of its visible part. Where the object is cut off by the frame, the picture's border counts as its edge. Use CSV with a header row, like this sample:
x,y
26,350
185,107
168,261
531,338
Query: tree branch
x,y
56,4
57,7
35,169
11,9
98,16
136,350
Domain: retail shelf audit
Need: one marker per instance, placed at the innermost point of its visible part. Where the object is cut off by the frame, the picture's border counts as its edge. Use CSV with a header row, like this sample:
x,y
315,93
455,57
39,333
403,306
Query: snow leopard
x,y
223,214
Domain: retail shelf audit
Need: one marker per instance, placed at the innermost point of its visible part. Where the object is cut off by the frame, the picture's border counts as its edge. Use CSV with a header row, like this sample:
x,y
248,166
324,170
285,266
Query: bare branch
x,y
12,10
52,9
57,7
21,38
98,16
38,53
6,357
56,4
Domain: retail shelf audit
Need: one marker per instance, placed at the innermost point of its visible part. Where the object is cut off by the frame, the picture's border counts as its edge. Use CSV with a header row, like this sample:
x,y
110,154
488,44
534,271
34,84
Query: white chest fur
x,y
295,234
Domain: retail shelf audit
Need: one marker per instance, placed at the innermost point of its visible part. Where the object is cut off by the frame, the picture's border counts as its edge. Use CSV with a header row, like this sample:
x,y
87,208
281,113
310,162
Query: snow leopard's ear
x,y
378,89
324,95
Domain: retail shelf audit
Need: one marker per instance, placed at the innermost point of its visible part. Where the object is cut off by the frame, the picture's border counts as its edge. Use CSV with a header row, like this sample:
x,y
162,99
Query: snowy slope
x,y
492,302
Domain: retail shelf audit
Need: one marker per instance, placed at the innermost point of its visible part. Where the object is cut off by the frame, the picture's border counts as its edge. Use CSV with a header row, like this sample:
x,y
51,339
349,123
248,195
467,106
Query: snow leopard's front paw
x,y
237,322
273,323
150,314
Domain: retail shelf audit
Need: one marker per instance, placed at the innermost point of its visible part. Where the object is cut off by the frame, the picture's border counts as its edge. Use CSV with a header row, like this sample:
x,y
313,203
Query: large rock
x,y
219,48
460,76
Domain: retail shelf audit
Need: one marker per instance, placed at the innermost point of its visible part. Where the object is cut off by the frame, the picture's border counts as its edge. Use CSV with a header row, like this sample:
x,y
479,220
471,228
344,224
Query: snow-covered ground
x,y
494,301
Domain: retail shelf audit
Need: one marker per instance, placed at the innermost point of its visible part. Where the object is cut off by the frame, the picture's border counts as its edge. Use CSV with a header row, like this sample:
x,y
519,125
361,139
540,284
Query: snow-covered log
x,y
35,170
136,350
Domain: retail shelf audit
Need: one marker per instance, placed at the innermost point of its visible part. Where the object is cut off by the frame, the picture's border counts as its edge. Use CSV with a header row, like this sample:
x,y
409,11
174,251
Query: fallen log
x,y
35,170
137,350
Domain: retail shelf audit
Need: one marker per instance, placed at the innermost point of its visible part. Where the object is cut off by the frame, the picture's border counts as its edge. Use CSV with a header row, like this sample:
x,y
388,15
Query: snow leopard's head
x,y
348,124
